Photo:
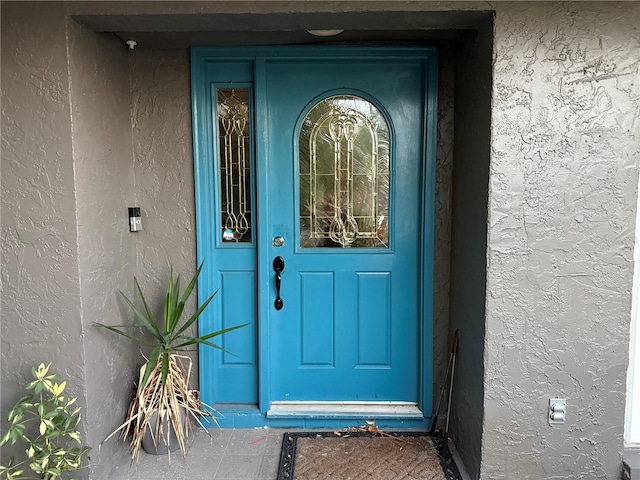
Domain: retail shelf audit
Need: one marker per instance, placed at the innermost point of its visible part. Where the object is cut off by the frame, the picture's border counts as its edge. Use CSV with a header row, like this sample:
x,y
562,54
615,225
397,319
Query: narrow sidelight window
x,y
235,165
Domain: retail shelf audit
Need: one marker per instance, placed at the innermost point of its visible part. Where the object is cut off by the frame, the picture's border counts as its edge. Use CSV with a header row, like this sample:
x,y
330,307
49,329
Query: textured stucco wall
x,y
163,158
563,180
65,252
104,178
40,295
469,238
67,178
163,165
564,169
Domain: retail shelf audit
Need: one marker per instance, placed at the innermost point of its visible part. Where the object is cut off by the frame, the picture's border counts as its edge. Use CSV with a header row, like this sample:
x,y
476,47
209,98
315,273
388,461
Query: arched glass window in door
x,y
344,175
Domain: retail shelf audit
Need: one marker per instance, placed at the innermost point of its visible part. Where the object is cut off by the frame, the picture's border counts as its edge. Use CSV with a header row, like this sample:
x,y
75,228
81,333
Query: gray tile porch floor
x,y
224,454
241,454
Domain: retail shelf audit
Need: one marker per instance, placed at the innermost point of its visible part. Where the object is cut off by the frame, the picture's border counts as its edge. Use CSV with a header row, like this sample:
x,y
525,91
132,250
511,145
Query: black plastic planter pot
x,y
170,437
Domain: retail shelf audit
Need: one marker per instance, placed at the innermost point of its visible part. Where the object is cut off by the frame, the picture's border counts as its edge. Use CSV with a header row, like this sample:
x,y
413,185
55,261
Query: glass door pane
x,y
344,175
235,165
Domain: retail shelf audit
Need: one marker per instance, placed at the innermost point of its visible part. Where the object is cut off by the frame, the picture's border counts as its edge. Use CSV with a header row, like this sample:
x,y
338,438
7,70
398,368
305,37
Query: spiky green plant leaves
x,y
167,333
164,379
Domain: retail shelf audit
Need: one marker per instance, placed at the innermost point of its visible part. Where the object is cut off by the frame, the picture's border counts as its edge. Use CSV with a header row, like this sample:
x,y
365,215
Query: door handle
x,y
278,267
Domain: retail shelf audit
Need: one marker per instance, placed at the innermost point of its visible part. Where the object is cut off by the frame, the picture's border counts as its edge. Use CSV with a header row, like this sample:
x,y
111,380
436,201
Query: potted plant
x,y
160,414
47,421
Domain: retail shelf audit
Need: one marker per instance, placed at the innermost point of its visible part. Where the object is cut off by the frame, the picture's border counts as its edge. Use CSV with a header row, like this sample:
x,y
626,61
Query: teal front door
x,y
341,175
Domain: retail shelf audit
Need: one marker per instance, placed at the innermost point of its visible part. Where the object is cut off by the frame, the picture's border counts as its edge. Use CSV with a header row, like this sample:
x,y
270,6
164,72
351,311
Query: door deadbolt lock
x,y
278,241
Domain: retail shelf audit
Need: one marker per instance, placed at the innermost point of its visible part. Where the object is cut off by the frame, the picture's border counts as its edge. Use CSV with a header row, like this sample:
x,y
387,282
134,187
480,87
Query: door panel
x,y
236,373
349,329
317,329
373,291
356,325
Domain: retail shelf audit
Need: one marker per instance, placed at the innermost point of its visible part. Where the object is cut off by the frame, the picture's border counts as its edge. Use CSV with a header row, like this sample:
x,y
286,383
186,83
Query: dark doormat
x,y
358,455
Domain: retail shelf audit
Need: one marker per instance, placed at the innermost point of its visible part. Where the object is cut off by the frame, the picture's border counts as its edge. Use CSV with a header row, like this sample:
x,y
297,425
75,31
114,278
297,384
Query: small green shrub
x,y
47,422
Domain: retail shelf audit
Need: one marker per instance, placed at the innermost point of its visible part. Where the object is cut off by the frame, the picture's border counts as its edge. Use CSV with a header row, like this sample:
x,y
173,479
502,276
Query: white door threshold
x,y
344,410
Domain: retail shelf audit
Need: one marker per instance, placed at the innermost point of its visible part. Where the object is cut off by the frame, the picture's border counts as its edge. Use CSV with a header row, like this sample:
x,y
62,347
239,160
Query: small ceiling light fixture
x,y
325,33
132,44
